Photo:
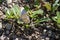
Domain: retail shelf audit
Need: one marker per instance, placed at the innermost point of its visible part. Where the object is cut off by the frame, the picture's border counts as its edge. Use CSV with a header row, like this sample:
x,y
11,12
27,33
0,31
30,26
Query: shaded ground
x,y
11,30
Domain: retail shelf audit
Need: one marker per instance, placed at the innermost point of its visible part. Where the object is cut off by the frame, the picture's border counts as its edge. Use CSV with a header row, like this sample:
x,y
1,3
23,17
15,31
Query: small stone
x,y
36,36
9,1
6,38
18,33
57,36
2,37
1,32
0,25
13,36
30,37
48,26
36,32
49,33
14,0
42,39
16,39
47,38
44,30
47,15
33,34
8,26
7,32
41,24
3,16
52,24
1,13
21,39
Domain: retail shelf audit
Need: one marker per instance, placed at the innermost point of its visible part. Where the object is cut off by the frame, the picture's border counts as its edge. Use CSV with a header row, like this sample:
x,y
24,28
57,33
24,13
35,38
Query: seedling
x,y
55,6
57,18
14,12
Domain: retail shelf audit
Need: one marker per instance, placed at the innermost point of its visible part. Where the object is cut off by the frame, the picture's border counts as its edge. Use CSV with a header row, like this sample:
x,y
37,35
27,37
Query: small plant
x,y
1,1
47,5
57,18
36,16
35,13
19,14
55,5
13,12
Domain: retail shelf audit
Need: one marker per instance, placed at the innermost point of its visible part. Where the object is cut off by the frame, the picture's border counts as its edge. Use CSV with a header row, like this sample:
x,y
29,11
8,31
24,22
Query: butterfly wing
x,y
25,18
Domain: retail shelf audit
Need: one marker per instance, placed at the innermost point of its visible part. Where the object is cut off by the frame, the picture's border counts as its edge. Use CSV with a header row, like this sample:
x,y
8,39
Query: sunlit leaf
x,y
47,5
40,11
37,2
13,12
55,5
26,8
58,17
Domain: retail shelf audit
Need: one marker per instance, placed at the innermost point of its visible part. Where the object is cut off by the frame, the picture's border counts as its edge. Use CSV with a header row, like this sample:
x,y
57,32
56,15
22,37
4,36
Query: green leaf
x,y
54,18
27,26
47,5
19,22
56,2
58,17
1,1
36,2
13,12
40,11
55,5
16,11
26,8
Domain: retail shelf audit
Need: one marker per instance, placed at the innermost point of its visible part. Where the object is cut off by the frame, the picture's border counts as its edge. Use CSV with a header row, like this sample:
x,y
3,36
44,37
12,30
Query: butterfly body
x,y
24,16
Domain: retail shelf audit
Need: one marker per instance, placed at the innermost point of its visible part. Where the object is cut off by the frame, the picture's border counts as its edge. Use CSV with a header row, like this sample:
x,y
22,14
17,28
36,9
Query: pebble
x,y
33,34
7,32
57,36
37,32
1,13
8,26
30,37
6,38
2,37
42,39
49,33
47,38
18,33
12,36
3,16
21,39
44,30
14,0
36,36
16,39
1,32
9,1
0,25
48,26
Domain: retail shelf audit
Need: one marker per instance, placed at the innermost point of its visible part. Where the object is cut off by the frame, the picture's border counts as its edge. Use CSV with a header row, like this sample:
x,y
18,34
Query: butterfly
x,y
24,17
